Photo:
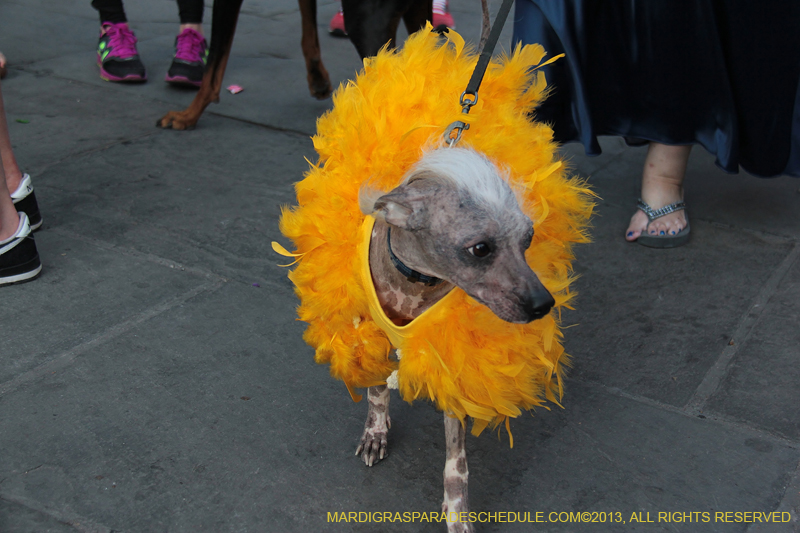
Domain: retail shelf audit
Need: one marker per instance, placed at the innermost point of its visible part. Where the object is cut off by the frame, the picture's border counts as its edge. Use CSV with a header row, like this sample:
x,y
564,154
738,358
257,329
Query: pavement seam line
x,y
722,420
102,148
287,131
71,519
717,373
277,129
161,261
790,502
137,254
113,332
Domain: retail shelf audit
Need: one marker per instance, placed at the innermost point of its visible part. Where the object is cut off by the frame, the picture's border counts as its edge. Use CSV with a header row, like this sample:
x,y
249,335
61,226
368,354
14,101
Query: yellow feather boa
x,y
463,358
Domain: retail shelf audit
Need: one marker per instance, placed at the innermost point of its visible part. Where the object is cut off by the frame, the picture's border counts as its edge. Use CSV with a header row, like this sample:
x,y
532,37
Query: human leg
x,y
117,56
191,14
18,184
110,11
9,169
191,48
9,219
19,260
662,184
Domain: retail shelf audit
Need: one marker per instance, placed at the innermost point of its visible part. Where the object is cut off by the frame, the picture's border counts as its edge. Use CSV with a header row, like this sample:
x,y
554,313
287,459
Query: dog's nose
x,y
539,304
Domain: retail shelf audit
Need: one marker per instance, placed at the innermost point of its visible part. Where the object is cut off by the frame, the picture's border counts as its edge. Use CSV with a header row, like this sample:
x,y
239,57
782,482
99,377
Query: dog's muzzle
x,y
536,303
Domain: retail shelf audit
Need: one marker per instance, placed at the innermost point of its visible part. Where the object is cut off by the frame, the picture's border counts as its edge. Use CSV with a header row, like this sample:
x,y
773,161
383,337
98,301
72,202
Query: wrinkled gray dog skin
x,y
454,217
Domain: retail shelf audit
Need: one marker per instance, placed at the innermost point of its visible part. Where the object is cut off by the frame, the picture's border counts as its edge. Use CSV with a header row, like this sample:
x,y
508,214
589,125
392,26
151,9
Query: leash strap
x,y
470,96
488,50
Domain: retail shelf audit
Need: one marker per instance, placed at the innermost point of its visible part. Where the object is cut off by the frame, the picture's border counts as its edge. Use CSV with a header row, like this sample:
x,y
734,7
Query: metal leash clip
x,y
458,127
466,104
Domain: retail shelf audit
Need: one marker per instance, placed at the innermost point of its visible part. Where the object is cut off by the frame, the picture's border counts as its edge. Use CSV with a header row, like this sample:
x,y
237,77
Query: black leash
x,y
470,96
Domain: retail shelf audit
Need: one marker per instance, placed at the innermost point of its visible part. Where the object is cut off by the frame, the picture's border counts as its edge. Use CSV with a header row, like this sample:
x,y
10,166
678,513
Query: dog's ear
x,y
406,206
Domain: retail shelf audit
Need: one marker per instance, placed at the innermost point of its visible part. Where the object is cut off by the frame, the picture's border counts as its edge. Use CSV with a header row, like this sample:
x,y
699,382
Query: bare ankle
x,y
13,179
103,27
9,222
196,27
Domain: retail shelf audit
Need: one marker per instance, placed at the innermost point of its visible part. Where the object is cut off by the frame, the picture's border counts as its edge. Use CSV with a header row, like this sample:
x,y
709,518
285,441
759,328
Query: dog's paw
x,y
322,91
374,444
457,507
319,82
457,527
460,527
177,120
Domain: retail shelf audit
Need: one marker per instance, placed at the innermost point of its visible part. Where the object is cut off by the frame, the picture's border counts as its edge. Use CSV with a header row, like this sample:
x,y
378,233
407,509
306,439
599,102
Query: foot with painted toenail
x,y
662,185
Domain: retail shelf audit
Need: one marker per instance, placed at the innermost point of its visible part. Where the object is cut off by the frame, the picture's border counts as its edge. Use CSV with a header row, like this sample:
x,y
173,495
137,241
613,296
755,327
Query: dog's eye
x,y
480,250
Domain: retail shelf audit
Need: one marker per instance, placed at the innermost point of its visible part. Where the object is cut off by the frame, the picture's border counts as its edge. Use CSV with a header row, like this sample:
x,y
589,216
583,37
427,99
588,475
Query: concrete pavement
x,y
154,378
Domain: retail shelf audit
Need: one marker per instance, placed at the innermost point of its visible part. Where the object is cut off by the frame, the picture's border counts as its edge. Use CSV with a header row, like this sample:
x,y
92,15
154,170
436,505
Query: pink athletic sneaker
x,y
336,27
117,56
189,63
441,15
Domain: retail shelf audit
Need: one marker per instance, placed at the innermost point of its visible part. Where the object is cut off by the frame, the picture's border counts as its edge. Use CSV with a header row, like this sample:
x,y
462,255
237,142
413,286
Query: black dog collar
x,y
410,274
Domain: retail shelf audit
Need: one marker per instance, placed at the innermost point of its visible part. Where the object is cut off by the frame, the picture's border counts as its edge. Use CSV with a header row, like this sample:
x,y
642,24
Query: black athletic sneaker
x,y
25,201
189,63
117,56
19,260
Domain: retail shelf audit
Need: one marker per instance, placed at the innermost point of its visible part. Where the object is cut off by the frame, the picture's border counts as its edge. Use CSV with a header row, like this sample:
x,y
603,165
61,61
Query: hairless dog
x,y
454,219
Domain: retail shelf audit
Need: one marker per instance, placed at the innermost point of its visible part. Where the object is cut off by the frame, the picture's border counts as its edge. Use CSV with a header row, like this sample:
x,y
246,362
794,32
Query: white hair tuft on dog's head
x,y
468,171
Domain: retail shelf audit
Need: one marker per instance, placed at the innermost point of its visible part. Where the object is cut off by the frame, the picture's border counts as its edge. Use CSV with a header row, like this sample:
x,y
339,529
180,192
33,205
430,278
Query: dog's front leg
x,y
319,82
223,27
455,477
374,440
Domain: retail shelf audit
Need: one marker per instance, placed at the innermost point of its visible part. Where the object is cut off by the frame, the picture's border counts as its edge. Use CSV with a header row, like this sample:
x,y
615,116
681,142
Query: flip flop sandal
x,y
664,241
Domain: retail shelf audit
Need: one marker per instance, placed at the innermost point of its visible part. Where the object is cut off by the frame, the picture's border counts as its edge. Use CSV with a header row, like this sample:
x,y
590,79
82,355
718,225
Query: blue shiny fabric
x,y
724,74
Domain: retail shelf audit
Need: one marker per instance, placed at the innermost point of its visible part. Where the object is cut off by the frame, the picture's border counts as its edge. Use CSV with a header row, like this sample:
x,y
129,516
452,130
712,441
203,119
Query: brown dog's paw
x,y
319,82
177,120
322,91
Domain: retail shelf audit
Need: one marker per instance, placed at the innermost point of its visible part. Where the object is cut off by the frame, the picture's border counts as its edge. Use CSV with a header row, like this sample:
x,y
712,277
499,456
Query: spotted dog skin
x,y
455,475
374,440
435,228
401,300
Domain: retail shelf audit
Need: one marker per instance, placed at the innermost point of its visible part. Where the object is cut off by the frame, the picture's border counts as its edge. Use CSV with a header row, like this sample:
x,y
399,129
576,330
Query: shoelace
x,y
121,40
440,7
189,46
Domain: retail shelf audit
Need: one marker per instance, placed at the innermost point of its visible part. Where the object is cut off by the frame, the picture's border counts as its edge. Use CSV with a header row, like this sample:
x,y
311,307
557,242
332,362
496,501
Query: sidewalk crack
x,y
747,324
67,357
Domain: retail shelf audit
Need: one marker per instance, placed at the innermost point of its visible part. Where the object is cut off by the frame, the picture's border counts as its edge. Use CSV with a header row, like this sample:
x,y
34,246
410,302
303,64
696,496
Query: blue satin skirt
x,y
724,74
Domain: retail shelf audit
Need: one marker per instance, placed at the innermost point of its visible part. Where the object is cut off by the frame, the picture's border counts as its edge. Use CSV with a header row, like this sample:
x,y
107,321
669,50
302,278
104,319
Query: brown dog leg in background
x,y
370,25
223,26
319,82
